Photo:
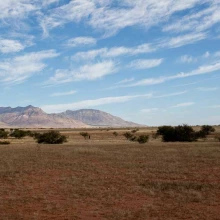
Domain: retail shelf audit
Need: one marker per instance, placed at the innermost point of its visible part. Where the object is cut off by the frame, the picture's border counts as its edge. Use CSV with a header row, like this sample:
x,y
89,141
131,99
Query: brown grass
x,y
108,177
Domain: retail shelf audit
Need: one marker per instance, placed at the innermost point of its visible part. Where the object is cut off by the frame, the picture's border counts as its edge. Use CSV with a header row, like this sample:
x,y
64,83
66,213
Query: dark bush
x,y
3,134
51,137
142,139
18,134
85,135
115,133
181,133
4,142
128,135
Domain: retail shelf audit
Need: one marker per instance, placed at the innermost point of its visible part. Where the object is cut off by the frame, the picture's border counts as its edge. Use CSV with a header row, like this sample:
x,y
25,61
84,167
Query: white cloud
x,y
185,104
110,19
125,81
187,59
102,101
18,69
182,40
91,103
113,52
57,94
206,89
86,72
145,63
197,21
10,46
199,71
81,41
11,9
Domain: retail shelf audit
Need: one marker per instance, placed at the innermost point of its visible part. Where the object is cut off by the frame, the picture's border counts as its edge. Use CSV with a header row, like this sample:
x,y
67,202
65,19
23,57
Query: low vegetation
x,y
115,133
85,135
4,142
183,133
140,139
19,134
51,137
3,134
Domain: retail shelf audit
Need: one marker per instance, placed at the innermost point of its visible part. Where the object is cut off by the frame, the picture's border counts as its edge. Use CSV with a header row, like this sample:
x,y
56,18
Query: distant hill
x,y
97,118
33,117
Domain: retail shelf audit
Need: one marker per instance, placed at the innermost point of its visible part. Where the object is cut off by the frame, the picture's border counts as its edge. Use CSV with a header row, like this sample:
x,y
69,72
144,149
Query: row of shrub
x,y
183,133
50,137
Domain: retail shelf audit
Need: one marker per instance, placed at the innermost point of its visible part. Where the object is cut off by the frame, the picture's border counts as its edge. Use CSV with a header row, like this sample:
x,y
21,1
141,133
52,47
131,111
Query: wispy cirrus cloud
x,y
182,40
19,68
103,101
113,52
81,41
91,71
206,69
109,19
199,21
125,81
184,104
10,46
145,63
58,94
92,103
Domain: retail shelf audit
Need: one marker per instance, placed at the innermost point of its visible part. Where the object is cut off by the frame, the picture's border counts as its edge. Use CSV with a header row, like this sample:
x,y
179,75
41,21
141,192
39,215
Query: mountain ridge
x,y
35,117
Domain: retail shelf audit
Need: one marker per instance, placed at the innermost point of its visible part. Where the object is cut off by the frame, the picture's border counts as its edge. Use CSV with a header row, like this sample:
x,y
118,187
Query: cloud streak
x,y
19,68
102,101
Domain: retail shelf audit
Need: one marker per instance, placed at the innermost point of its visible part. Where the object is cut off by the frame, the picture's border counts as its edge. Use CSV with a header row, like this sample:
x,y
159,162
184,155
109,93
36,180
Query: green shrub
x,y
51,137
128,135
85,135
4,142
115,133
205,130
183,133
18,134
142,139
3,134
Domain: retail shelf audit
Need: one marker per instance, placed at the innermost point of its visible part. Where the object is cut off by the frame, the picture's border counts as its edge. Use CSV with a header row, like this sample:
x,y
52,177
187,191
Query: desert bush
x,y
85,135
115,133
183,133
3,134
128,135
18,134
50,137
142,139
205,130
4,142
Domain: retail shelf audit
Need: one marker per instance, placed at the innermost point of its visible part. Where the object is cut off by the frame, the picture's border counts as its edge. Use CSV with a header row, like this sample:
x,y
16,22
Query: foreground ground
x,y
108,177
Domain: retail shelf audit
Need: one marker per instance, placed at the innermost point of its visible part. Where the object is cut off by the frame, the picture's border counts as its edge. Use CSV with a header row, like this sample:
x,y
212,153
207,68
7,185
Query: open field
x,y
110,178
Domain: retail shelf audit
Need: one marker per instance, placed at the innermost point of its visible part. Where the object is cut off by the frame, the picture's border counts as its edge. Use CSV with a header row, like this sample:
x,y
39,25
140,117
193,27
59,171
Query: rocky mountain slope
x,y
35,118
97,118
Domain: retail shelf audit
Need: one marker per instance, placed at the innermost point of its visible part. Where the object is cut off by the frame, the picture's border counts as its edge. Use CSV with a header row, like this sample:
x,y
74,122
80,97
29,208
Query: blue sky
x,y
151,62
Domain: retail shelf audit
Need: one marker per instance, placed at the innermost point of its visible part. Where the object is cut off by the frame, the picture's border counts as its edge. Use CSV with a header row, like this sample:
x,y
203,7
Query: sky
x,y
150,62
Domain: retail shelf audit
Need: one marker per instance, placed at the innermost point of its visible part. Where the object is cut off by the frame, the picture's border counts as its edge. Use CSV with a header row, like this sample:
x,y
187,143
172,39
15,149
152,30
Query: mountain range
x,y
34,117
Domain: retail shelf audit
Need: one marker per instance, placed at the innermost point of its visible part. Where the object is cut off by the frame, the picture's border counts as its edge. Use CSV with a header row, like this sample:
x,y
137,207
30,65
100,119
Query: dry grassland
x,y
110,178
